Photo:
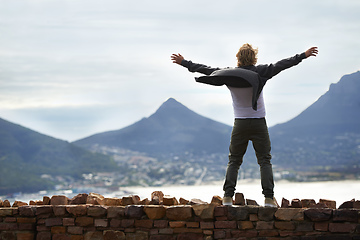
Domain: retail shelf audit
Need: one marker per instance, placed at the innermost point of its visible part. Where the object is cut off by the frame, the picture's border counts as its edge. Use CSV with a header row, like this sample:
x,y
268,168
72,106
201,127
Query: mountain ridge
x,y
323,134
337,109
22,148
173,127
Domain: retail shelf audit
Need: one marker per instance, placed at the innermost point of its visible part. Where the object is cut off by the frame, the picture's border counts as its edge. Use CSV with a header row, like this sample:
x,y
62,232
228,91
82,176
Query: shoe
x,y
271,202
227,201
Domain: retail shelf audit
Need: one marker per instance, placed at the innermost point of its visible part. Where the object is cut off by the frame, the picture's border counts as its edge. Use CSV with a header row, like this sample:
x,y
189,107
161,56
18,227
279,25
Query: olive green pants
x,y
245,130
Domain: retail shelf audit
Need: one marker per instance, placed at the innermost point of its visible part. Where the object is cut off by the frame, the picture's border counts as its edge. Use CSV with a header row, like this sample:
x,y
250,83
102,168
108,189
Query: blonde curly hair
x,y
247,55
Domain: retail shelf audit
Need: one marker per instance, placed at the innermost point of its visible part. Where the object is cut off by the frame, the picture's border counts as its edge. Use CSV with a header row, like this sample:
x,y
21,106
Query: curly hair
x,y
247,55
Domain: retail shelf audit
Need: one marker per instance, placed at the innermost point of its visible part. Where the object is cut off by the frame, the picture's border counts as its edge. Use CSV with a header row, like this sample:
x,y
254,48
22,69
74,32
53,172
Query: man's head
x,y
247,55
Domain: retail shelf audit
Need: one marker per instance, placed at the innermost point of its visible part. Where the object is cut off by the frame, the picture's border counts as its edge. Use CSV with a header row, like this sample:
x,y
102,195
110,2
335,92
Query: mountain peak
x,y
171,107
171,103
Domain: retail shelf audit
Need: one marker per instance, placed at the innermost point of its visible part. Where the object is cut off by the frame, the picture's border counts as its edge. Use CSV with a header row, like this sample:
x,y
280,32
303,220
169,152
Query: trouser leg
x,y
238,145
262,147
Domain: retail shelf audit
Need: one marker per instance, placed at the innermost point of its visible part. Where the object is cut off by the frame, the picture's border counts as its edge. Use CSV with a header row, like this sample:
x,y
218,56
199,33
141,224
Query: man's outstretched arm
x,y
270,70
192,67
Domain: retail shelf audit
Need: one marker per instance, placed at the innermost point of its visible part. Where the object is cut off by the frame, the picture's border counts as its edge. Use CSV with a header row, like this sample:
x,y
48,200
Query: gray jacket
x,y
244,76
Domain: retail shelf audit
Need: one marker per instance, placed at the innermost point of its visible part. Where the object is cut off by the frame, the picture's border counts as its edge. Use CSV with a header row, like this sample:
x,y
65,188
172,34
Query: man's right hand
x,y
177,58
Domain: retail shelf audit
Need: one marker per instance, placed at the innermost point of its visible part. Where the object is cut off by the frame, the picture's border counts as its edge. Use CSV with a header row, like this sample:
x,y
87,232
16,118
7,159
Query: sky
x,y
73,68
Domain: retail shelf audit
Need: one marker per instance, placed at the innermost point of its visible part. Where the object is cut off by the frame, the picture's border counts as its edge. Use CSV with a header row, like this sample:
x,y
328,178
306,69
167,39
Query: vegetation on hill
x,y
26,156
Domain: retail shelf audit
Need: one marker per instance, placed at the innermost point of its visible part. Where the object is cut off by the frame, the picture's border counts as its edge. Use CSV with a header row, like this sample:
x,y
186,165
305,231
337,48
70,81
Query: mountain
x,y
173,128
326,136
27,156
337,111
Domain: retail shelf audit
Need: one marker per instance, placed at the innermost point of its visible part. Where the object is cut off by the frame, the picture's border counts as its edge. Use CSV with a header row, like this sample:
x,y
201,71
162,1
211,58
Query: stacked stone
x,y
93,217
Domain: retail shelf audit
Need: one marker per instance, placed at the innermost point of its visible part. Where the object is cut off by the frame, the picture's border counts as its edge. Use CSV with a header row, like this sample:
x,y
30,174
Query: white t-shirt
x,y
242,103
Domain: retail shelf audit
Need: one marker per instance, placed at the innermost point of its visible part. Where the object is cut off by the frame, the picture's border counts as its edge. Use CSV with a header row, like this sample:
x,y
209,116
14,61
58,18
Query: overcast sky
x,y
72,68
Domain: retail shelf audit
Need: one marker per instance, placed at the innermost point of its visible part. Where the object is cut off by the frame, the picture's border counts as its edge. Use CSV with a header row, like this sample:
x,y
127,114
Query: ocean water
x,y
340,191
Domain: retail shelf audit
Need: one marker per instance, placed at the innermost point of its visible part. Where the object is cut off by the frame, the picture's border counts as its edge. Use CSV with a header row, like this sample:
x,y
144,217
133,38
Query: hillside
x,y
172,129
326,136
337,111
25,156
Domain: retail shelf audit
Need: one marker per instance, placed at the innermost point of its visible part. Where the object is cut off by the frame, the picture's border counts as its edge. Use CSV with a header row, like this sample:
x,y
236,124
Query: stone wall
x,y
191,220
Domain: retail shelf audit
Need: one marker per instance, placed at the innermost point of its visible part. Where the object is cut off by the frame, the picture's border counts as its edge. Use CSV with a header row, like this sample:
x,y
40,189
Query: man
x,y
246,83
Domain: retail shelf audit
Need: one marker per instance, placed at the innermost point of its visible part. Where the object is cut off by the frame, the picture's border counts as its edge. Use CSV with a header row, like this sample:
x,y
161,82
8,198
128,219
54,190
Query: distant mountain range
x,y
324,137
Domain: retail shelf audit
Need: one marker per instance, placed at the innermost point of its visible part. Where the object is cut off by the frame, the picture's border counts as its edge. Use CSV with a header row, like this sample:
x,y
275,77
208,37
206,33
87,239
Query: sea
x,y
339,191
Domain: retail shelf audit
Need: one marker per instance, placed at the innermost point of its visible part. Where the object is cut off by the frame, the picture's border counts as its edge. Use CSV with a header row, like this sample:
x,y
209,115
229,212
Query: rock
x,y
1,203
44,210
345,215
114,235
59,210
169,201
46,200
6,212
144,202
347,204
216,200
289,214
97,211
267,213
296,203
183,201
59,200
125,201
357,204
197,201
342,228
131,200
318,205
36,203
251,202
136,199
155,211
112,201
134,211
19,204
285,203
179,212
6,203
116,212
93,235
95,199
305,203
204,211
239,199
237,213
157,197
81,198
27,211
77,210
318,215
329,203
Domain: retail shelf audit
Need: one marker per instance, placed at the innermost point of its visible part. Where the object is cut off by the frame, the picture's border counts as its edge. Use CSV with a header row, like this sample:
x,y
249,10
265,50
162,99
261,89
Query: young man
x,y
246,83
